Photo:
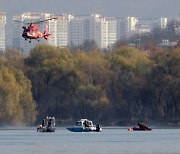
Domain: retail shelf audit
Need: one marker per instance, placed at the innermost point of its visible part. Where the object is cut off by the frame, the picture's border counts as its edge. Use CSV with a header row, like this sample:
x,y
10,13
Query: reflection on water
x,y
109,141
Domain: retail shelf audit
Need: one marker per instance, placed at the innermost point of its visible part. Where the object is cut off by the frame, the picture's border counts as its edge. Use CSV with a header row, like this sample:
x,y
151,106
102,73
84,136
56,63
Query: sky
x,y
112,8
119,8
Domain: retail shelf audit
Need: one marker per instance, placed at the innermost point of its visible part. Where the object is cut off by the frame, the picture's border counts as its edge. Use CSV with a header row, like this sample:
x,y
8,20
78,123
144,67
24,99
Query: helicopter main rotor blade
x,y
44,20
28,23
37,22
19,21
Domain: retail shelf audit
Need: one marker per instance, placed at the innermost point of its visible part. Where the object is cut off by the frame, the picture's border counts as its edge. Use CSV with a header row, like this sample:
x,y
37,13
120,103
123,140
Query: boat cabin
x,y
84,123
48,125
50,122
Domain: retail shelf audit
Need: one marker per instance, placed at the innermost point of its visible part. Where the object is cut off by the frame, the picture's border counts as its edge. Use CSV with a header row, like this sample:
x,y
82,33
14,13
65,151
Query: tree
x,y
14,59
129,67
163,90
89,46
172,30
51,71
17,105
93,71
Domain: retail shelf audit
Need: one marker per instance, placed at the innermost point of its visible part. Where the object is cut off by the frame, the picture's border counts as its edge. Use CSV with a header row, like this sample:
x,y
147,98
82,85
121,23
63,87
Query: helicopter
x,y
33,32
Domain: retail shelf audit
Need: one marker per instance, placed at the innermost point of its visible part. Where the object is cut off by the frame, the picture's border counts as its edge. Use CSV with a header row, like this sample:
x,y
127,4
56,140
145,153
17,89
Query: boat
x,y
141,127
85,125
48,125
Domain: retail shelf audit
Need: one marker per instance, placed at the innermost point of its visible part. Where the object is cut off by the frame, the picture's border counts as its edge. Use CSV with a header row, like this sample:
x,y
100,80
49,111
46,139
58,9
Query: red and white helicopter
x,y
33,32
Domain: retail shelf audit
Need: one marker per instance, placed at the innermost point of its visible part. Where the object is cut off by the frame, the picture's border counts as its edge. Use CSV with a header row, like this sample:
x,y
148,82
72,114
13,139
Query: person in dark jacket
x,y
43,123
142,126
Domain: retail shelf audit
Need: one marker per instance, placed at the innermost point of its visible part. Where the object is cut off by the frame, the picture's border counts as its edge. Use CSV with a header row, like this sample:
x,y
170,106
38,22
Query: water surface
x,y
110,141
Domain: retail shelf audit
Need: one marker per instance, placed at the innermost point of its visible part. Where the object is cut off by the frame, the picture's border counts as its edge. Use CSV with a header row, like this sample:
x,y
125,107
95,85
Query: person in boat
x,y
43,123
142,126
97,127
49,122
85,123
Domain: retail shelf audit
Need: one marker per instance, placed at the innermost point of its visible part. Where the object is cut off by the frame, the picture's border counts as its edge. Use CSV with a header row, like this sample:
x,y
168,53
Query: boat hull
x,y
78,129
138,129
46,129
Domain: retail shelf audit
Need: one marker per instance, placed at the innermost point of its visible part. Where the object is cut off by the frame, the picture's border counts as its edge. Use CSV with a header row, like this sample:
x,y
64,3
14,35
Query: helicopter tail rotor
x,y
47,35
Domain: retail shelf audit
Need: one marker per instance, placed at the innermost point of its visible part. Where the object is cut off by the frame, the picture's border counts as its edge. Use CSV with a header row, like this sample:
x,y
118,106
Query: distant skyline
x,y
113,8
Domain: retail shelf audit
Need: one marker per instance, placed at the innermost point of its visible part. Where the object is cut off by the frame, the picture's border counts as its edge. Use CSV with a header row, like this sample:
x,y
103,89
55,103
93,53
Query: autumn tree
x,y
17,105
129,67
51,72
93,71
164,86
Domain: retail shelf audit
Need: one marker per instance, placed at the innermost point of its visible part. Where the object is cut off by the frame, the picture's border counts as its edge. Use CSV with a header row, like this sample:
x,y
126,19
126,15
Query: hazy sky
x,y
119,8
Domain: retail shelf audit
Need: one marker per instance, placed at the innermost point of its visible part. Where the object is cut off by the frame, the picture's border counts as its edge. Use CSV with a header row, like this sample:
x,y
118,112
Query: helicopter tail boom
x,y
47,35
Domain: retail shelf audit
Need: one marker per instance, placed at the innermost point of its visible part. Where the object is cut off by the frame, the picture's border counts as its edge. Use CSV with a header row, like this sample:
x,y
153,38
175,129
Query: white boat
x,y
85,125
48,125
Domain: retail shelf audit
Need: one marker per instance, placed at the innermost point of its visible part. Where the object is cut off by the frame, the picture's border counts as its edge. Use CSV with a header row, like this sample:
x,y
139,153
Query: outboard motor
x,y
97,128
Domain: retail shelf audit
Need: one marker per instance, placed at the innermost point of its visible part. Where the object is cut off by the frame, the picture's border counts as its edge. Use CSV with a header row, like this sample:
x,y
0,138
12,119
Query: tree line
x,y
114,88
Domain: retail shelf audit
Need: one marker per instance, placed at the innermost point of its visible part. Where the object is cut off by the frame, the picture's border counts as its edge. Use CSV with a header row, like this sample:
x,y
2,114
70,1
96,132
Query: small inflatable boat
x,y
141,127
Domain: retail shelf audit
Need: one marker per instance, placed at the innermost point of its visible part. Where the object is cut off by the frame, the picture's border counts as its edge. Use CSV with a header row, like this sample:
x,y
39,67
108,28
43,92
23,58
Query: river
x,y
116,140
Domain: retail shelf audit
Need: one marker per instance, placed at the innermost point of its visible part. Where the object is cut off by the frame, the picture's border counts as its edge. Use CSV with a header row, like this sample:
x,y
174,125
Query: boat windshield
x,y
50,121
78,123
90,124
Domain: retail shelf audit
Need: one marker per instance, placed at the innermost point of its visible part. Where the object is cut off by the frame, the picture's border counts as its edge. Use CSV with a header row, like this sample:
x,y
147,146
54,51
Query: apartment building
x,y
104,30
78,30
112,31
150,24
95,27
127,27
2,31
63,30
99,30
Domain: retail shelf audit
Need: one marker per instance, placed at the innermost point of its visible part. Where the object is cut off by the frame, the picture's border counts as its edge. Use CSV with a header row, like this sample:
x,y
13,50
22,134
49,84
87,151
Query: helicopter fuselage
x,y
32,32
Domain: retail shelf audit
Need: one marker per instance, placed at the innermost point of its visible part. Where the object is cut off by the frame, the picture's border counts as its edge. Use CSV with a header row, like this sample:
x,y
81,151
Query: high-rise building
x,y
23,19
153,23
63,30
2,31
127,27
53,29
100,31
104,30
118,32
130,25
163,22
112,31
78,30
